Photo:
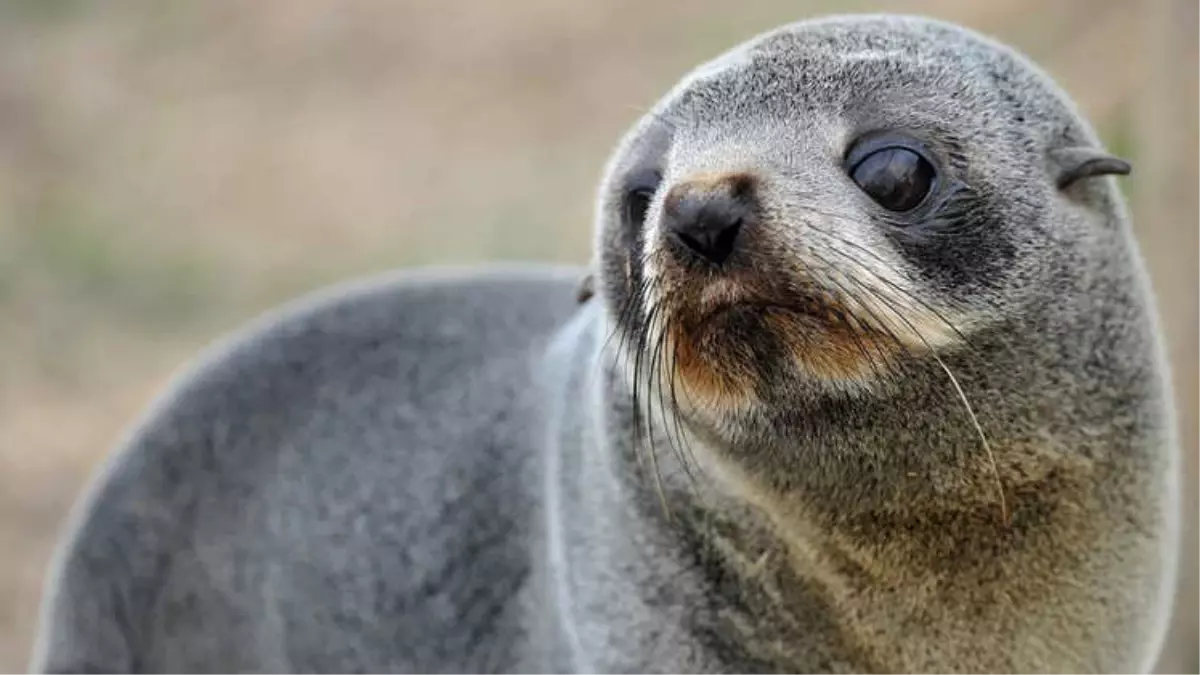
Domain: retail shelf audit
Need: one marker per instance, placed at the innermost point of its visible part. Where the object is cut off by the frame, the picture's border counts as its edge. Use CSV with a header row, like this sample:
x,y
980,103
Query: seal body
x,y
867,378
301,502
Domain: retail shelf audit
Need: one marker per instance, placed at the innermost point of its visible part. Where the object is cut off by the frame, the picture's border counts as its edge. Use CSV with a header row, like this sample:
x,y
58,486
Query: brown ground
x,y
168,170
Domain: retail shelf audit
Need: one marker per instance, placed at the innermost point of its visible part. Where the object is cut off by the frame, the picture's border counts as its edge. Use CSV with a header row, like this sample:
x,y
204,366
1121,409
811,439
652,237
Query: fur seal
x,y
868,378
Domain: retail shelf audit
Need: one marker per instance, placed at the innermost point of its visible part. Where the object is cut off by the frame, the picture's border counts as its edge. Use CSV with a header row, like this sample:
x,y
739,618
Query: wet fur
x,y
473,472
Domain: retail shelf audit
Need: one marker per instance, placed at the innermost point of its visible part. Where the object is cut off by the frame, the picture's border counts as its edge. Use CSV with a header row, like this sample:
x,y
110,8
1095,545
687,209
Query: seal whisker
x,y
623,325
672,429
942,364
962,396
858,343
620,330
650,352
684,451
878,321
851,330
678,418
626,332
891,284
640,362
638,338
656,374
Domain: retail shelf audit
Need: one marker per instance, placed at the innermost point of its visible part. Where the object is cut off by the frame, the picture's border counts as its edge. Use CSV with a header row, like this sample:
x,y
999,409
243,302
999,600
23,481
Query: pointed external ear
x,y
586,289
1072,164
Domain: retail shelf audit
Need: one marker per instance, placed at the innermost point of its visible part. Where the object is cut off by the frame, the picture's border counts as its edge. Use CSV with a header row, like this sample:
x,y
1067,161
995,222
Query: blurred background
x,y
168,170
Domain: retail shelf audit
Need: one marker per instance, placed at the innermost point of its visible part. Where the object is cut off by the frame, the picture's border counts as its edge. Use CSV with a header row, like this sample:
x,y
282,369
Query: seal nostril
x,y
723,245
691,243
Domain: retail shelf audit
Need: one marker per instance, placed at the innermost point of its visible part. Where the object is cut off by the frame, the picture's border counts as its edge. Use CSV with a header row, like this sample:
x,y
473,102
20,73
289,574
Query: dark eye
x,y
637,203
897,178
638,195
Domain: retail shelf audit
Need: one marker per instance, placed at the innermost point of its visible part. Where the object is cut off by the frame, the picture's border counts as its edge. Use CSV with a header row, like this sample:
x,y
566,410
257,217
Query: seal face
x,y
805,214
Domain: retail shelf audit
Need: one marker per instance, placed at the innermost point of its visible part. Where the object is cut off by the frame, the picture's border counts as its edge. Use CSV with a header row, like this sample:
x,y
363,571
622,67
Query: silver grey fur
x,y
438,471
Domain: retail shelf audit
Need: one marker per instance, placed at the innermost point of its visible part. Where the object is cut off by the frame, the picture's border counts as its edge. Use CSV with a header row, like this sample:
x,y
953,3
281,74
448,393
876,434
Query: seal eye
x,y
897,178
639,192
637,203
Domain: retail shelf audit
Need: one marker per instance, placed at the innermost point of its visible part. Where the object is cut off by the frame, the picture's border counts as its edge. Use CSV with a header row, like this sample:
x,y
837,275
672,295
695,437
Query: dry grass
x,y
168,170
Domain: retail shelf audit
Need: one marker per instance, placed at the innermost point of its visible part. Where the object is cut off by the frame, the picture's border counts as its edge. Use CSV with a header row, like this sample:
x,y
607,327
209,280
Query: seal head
x,y
807,213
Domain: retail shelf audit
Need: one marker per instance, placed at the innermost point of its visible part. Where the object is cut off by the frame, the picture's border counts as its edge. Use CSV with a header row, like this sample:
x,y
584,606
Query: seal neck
x,y
636,540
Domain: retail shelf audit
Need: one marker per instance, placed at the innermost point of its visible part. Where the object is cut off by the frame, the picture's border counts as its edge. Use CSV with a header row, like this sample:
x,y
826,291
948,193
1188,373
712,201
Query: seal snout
x,y
705,216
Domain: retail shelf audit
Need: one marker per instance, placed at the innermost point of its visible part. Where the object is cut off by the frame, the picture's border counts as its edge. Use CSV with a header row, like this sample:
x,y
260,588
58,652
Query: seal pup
x,y
868,378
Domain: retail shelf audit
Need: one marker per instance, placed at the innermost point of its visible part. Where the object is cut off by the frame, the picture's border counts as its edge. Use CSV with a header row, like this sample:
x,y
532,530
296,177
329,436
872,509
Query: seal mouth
x,y
737,313
735,309
729,337
758,327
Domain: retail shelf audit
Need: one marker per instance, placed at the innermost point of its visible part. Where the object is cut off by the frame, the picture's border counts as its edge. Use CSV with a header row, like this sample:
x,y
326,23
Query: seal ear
x,y
586,289
1072,164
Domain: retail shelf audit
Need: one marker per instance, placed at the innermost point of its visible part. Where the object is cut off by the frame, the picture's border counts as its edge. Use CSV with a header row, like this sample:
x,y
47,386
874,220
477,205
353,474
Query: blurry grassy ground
x,y
168,170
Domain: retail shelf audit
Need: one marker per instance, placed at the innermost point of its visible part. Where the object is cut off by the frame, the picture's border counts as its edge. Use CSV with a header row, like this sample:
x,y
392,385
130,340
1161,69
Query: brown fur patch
x,y
718,371
835,352
900,579
709,379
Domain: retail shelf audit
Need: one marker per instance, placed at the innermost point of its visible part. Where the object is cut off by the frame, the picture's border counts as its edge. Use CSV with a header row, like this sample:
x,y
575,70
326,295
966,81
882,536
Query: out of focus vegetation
x,y
168,170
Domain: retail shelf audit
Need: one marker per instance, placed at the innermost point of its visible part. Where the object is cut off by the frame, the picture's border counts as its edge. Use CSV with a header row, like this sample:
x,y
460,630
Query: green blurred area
x,y
169,170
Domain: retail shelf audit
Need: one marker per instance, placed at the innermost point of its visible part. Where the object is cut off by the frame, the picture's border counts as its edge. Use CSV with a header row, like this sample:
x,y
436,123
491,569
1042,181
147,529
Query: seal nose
x,y
707,214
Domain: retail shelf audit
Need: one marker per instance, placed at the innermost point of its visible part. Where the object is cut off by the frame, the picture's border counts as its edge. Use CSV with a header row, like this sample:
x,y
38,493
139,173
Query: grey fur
x,y
439,472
